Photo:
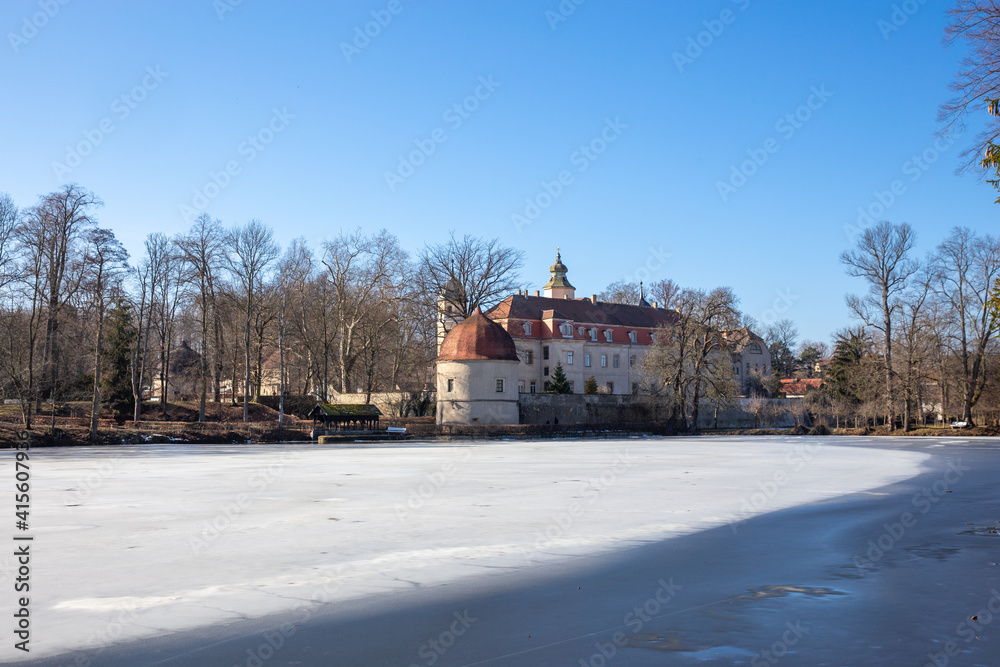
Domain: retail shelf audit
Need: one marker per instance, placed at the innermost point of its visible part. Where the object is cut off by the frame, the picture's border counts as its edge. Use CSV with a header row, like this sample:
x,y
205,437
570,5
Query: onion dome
x,y
558,271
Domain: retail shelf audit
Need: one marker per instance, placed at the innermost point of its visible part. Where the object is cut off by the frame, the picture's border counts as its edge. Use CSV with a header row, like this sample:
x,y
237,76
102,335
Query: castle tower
x,y
477,374
558,286
448,309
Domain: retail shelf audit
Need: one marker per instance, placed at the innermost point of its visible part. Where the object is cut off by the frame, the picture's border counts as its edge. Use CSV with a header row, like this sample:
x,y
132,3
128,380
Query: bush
x,y
819,429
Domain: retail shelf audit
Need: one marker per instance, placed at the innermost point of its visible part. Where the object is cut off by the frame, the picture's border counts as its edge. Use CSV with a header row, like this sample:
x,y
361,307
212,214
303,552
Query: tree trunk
x,y
246,374
281,366
95,407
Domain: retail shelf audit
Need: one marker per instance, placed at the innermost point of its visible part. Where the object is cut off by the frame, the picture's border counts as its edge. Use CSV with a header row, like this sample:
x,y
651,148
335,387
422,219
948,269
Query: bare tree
x,y
363,273
882,259
203,250
106,260
977,83
664,293
691,358
965,268
293,272
913,342
57,225
166,291
9,216
622,292
715,312
484,270
252,251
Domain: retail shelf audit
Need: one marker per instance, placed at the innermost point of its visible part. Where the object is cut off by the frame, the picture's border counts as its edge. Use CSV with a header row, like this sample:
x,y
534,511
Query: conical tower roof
x,y
477,337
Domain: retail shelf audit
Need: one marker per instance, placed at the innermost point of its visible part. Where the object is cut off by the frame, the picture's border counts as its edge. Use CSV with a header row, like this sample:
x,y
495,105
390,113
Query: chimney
x,y
656,305
565,296
536,292
593,298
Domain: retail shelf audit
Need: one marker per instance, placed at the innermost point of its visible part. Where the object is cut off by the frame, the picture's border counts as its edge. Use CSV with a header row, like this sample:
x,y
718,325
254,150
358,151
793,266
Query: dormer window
x,y
593,334
527,328
581,331
566,329
608,333
652,337
632,336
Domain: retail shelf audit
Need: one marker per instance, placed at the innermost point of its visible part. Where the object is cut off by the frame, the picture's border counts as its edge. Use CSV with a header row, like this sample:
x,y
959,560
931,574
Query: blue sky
x,y
265,100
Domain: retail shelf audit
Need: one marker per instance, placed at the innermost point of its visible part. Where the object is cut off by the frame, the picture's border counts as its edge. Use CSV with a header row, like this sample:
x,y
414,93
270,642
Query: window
x,y
632,336
586,360
520,386
737,369
604,361
566,329
635,387
450,309
608,333
529,357
569,358
545,371
611,387
499,385
652,337
527,328
545,387
631,361
572,387
532,386
593,334
755,349
451,384
545,352
614,361
581,331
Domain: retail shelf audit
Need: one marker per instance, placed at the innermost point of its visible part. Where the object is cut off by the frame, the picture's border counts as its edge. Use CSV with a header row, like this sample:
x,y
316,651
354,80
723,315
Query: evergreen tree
x,y
591,385
116,383
559,383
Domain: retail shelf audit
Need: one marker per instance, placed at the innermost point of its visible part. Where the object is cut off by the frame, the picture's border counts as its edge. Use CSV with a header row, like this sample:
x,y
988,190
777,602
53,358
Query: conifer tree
x,y
559,383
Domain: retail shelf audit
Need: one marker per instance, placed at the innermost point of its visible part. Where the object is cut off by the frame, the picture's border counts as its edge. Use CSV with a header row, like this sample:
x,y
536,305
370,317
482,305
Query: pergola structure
x,y
345,417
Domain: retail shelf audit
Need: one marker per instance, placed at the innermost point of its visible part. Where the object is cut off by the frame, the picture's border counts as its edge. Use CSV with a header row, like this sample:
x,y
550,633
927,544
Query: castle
x,y
487,360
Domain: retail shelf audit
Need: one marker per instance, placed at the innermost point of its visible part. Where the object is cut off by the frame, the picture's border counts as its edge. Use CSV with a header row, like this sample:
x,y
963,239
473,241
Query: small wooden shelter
x,y
345,417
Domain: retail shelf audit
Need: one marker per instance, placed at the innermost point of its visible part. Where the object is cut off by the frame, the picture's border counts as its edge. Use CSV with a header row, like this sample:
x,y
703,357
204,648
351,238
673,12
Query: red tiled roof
x,y
581,311
478,337
800,387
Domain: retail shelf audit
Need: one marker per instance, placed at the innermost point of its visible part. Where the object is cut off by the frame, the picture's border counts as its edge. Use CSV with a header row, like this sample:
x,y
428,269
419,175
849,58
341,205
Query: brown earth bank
x,y
178,422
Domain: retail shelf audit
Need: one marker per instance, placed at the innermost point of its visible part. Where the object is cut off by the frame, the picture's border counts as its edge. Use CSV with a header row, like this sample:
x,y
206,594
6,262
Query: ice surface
x,y
136,541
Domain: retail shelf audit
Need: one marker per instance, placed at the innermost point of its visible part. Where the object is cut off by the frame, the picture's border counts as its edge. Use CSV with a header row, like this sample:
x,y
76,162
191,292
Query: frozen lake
x,y
133,542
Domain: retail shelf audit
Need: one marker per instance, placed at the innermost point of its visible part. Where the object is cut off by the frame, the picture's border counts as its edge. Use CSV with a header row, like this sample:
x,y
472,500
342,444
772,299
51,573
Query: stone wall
x,y
625,409
587,409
